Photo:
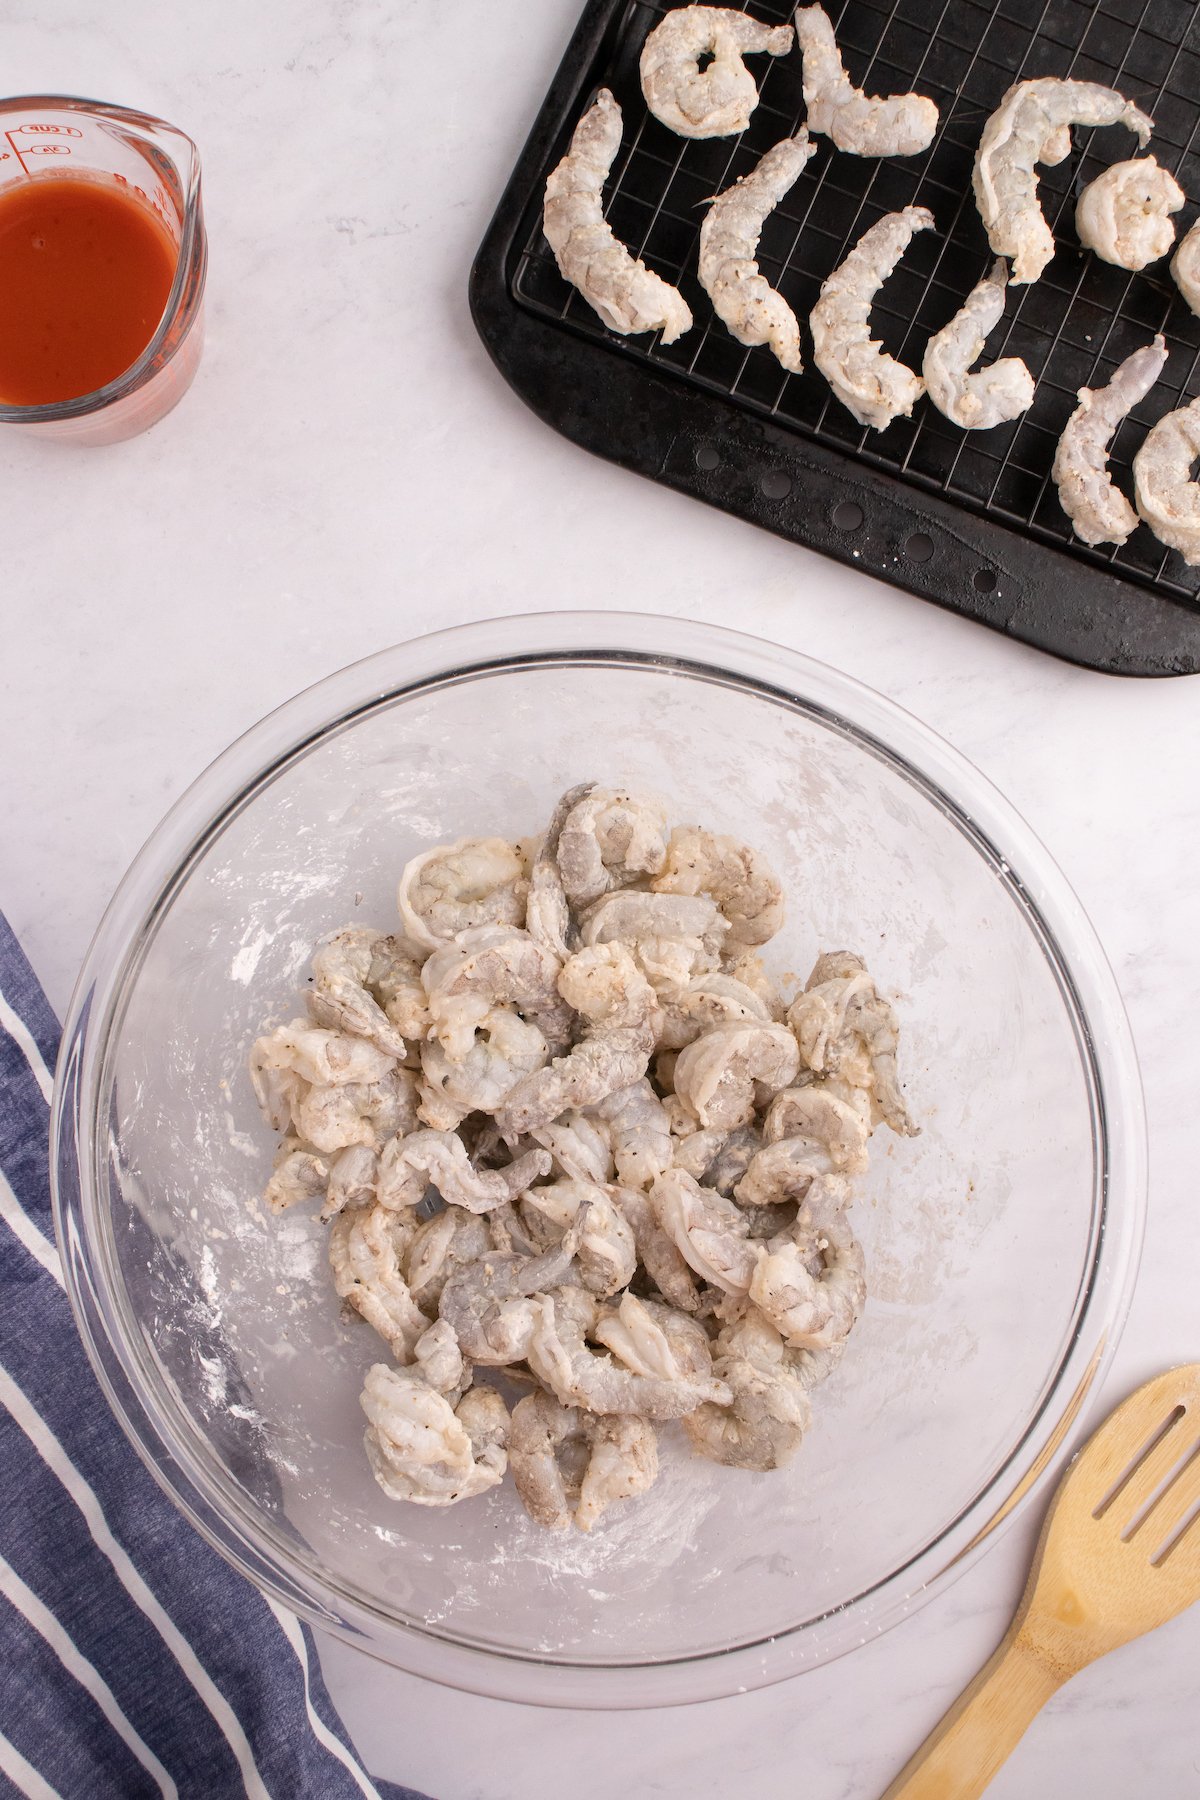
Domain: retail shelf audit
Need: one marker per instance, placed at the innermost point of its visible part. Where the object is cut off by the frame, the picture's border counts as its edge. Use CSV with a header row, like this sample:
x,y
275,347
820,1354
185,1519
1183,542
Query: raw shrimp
x,y
365,1247
743,965
618,286
784,1170
715,100
507,1049
731,1160
409,1165
437,1357
708,1231
423,1449
477,881
1124,215
606,1459
351,1181
490,1304
487,967
604,984
711,999
579,1146
981,398
623,1464
901,125
657,1250
317,1056
770,1410
395,979
829,1112
276,1088
333,1116
608,839
812,1311
725,1074
340,996
697,1150
846,1028
673,937
299,1174
1032,125
1167,497
752,310
440,1246
607,1253
559,1356
654,1340
869,383
735,878
1096,507
639,1133
1185,267
548,916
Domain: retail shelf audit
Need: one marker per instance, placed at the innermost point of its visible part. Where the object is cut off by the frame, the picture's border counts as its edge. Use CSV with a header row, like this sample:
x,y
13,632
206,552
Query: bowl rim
x,y
155,1423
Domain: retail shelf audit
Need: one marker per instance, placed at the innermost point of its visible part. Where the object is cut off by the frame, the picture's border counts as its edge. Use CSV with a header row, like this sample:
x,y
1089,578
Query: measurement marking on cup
x,y
33,129
16,151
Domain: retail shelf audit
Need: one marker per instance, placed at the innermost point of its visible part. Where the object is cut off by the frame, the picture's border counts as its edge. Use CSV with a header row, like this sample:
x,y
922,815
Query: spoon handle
x,y
982,1728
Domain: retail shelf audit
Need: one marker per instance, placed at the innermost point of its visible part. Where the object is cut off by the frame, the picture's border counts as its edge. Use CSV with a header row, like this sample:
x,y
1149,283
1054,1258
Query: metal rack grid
x,y
1072,327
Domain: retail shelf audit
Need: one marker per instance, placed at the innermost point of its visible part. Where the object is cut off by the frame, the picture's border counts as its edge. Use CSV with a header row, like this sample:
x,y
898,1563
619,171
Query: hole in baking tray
x,y
918,547
707,457
984,581
776,485
847,515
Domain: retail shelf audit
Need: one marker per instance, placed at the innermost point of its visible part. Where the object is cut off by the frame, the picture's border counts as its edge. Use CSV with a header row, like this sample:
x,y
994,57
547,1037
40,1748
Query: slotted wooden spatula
x,y
1119,1554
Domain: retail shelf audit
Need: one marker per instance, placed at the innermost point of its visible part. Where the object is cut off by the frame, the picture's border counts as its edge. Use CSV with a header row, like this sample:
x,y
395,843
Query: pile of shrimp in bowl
x,y
586,1161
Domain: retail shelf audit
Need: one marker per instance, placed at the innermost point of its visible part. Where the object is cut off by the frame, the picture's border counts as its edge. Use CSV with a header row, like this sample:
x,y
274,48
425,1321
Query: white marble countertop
x,y
349,471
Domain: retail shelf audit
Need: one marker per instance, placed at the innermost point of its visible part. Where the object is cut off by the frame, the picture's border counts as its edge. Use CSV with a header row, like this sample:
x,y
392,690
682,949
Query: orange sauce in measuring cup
x,y
85,272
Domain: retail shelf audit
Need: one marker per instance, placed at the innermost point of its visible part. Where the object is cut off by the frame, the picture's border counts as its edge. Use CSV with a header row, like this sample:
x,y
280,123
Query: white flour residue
x,y
643,1538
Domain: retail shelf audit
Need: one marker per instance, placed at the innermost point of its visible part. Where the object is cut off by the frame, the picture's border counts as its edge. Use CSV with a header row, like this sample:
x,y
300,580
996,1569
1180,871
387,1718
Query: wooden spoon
x,y
1119,1554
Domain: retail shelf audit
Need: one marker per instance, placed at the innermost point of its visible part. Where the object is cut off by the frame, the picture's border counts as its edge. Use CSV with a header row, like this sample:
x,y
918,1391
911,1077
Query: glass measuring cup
x,y
42,135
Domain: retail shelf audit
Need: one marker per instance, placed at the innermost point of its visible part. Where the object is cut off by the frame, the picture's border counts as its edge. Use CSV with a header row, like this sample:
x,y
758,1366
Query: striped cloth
x,y
133,1661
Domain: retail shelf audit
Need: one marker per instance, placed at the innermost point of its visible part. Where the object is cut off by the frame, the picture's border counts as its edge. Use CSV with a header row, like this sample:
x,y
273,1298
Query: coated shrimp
x,y
1032,125
569,1465
715,100
608,839
486,967
561,1359
901,125
604,984
872,385
752,310
1095,505
982,398
422,1449
477,881
725,1074
365,1247
1167,497
618,286
846,1028
340,996
410,1165
492,1305
1124,215
735,877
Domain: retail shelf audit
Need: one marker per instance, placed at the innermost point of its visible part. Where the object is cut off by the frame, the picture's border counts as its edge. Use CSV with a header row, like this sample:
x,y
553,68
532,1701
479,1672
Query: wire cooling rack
x,y
1130,609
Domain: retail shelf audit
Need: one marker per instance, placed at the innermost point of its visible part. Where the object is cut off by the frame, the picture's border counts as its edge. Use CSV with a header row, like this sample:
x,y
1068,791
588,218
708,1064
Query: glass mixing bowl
x,y
1001,1244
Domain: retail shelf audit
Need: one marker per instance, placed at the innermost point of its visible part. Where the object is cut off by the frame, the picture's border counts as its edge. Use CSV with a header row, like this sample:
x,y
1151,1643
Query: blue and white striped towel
x,y
133,1661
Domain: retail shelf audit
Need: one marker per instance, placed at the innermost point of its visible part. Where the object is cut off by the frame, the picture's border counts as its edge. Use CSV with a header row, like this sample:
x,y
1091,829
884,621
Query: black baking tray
x,y
967,519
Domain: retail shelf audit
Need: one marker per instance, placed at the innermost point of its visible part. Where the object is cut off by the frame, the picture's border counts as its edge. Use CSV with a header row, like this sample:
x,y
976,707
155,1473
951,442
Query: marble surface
x,y
348,471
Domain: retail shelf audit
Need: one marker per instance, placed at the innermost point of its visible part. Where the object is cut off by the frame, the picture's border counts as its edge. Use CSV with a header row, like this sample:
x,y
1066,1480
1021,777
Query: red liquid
x,y
85,272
